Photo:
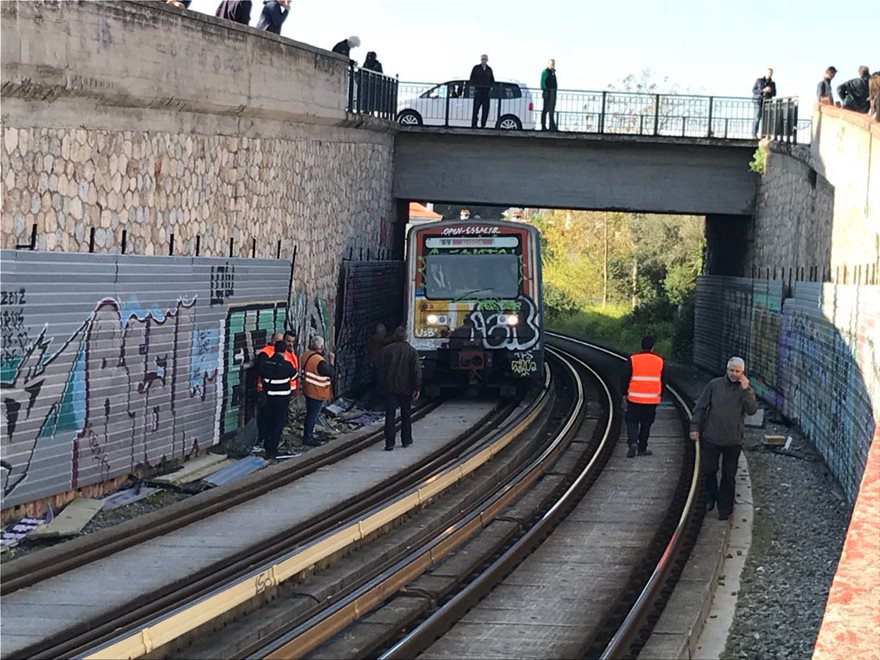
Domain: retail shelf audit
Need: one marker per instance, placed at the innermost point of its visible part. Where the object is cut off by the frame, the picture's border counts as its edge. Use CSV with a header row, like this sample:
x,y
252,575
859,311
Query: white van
x,y
455,100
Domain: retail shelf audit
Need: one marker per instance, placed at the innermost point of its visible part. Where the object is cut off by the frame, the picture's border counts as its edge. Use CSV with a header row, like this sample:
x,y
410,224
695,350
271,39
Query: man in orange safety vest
x,y
643,382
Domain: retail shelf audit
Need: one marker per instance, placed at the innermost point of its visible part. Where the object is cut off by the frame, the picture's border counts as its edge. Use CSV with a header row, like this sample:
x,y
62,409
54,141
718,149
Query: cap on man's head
x,y
831,69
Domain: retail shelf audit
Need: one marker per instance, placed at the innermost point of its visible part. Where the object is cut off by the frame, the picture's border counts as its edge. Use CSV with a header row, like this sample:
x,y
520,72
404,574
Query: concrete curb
x,y
699,614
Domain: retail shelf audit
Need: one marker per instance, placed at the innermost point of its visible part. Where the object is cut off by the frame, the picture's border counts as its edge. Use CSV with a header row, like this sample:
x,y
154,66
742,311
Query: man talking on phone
x,y
718,425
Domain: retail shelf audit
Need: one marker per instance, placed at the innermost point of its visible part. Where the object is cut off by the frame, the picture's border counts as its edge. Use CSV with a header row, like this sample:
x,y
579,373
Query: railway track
x,y
535,439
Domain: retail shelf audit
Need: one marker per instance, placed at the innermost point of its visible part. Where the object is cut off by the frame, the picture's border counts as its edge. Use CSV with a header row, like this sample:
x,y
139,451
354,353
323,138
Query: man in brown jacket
x,y
400,379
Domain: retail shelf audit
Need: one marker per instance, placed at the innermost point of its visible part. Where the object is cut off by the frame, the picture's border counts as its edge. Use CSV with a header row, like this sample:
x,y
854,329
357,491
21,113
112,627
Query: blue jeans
x,y
313,409
759,108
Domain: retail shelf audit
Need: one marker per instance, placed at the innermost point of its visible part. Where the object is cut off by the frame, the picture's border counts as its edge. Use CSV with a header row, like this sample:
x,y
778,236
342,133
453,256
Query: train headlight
x,y
511,319
432,319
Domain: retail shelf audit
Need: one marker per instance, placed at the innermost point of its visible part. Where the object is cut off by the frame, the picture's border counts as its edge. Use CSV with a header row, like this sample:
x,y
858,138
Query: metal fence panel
x,y
813,356
111,363
372,292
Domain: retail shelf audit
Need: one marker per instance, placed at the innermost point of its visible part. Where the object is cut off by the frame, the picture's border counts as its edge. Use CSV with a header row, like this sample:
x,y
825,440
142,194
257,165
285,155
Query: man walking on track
x,y
401,381
643,381
718,425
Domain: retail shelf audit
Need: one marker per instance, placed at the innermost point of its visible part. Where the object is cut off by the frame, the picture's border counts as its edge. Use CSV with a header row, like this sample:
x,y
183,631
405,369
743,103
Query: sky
x,y
708,47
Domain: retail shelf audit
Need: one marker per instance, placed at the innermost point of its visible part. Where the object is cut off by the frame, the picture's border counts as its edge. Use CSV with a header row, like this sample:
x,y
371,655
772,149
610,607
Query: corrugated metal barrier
x,y
364,301
111,363
815,356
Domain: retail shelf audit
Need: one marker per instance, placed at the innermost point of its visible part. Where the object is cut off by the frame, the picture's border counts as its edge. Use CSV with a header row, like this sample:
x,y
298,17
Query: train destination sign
x,y
473,242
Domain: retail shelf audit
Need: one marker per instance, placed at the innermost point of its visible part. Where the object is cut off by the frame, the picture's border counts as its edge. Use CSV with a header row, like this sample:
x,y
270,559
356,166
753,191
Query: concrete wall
x,y
815,356
818,210
131,126
113,364
698,176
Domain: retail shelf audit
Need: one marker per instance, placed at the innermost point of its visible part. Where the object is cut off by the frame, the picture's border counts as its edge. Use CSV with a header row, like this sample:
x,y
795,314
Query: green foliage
x,y
652,265
759,161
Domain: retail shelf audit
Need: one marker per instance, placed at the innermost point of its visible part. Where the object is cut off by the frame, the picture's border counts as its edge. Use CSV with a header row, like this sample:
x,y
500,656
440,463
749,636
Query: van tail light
x,y
531,106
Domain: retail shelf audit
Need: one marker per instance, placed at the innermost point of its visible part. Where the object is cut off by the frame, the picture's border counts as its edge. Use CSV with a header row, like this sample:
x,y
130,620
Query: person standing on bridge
x,y
344,47
643,381
764,89
238,11
718,425
481,80
548,91
824,90
274,13
401,381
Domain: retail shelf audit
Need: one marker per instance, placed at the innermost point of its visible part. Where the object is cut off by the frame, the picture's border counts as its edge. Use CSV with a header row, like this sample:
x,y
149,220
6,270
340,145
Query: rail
x,y
604,112
371,93
779,119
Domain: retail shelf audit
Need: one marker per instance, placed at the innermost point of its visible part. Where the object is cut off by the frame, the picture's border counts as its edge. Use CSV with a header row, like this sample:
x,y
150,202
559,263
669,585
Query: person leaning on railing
x,y
854,93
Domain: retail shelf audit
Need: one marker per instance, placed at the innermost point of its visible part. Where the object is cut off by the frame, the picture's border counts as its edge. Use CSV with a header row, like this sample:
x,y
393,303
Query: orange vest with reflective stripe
x,y
315,386
645,385
269,351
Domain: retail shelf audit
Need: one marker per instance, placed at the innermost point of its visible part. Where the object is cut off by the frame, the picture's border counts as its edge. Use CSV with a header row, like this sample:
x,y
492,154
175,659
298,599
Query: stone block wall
x,y
131,128
818,210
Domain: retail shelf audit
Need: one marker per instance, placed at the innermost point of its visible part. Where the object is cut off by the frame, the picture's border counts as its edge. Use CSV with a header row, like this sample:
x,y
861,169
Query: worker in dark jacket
x,y
274,14
854,93
481,80
277,372
642,384
401,382
718,425
238,11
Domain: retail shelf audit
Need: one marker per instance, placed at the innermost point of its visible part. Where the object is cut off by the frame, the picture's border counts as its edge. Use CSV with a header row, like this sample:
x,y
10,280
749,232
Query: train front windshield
x,y
459,277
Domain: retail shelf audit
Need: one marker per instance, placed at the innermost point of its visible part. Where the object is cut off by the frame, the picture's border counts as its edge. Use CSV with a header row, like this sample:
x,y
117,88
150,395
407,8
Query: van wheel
x,y
509,123
409,118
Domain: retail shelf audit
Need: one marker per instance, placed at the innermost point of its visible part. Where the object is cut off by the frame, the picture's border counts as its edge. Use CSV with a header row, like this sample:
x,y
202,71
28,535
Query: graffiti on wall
x,y
94,386
813,356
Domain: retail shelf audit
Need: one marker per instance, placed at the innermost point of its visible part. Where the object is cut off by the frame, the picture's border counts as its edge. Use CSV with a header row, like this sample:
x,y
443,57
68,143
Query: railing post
x,y
709,128
602,113
350,85
656,113
446,116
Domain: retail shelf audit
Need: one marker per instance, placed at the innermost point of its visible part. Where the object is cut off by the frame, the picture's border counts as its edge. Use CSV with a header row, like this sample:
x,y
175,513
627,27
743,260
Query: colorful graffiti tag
x,y
95,386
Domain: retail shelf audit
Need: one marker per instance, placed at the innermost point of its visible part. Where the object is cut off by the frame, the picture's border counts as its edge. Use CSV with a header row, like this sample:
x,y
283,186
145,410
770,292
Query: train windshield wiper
x,y
467,294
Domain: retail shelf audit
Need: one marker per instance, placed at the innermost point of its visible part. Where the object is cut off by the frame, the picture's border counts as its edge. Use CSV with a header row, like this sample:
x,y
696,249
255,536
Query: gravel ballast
x,y
801,517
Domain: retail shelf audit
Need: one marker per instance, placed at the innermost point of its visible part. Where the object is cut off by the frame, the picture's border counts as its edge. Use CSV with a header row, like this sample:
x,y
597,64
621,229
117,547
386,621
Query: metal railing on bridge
x,y
371,93
779,120
515,106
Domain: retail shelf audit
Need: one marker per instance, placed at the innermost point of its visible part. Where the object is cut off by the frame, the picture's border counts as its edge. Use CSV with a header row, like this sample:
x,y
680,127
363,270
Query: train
x,y
473,304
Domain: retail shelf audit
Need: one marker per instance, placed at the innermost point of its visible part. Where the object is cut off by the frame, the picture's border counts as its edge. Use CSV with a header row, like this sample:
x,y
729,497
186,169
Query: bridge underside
x,y
557,170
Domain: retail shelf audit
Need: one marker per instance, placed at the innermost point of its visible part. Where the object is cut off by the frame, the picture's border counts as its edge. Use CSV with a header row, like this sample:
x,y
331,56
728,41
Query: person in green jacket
x,y
548,90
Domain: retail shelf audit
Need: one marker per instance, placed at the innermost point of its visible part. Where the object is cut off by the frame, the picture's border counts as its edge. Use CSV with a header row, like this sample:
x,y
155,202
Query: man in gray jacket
x,y
718,423
400,376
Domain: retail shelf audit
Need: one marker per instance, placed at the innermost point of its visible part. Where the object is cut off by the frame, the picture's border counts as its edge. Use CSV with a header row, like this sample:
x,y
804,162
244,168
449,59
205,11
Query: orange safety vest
x,y
315,386
269,351
645,385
